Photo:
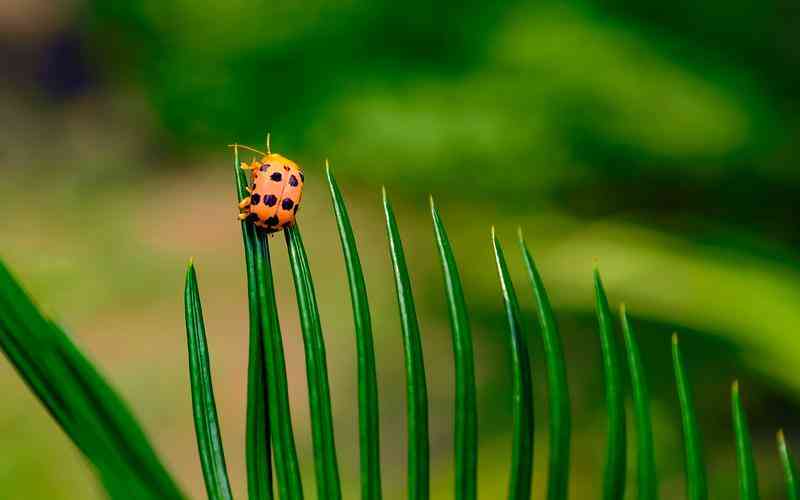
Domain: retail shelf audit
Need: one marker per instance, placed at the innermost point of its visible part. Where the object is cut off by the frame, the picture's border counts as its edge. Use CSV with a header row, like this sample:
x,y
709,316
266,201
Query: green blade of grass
x,y
417,393
257,435
40,372
119,479
558,400
28,343
614,478
79,399
287,469
209,441
36,379
748,477
789,468
466,410
114,415
322,435
647,478
522,433
696,484
368,416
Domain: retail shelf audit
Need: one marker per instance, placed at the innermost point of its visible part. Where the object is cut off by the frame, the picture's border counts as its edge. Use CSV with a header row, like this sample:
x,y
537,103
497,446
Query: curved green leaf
x,y
648,479
127,436
79,399
522,433
45,374
466,410
696,484
257,435
789,468
327,468
417,393
368,416
209,441
558,398
748,477
614,480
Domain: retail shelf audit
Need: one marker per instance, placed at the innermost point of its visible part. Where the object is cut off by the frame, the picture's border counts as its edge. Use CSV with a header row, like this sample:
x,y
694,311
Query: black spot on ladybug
x,y
287,204
302,177
286,167
277,176
255,198
252,217
293,181
270,200
272,220
265,167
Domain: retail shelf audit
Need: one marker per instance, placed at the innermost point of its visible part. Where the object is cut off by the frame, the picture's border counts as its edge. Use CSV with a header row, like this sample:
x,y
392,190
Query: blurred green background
x,y
659,138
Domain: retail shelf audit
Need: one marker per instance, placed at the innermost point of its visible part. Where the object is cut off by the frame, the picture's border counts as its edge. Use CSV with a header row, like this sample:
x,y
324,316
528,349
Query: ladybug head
x,y
269,156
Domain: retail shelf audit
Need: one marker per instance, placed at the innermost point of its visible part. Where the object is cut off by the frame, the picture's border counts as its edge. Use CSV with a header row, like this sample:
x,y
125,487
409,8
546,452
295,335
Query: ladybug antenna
x,y
268,151
236,146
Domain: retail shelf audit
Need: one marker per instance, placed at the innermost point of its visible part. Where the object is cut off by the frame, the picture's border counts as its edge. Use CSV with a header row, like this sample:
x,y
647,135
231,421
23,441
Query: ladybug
x,y
276,188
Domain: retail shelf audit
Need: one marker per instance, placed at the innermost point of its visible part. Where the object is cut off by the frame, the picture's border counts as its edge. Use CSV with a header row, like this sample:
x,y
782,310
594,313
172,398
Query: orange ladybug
x,y
276,189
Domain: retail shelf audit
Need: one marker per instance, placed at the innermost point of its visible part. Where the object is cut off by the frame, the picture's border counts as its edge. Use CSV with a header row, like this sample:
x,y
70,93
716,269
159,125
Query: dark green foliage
x,y
105,431
522,397
416,388
466,408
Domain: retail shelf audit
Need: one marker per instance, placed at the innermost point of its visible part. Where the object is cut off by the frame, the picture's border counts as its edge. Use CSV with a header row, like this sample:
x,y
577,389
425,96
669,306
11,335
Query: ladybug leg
x,y
245,166
244,207
249,189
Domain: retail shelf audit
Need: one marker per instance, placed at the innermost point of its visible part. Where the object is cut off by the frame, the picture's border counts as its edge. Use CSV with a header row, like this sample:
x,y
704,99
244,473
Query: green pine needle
x,y
325,463
287,468
614,479
522,397
748,477
368,415
647,478
258,447
466,411
417,393
696,487
206,424
558,399
789,467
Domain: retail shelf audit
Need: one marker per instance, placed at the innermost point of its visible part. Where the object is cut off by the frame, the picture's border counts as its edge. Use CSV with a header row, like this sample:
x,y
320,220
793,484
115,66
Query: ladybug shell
x,y
277,191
